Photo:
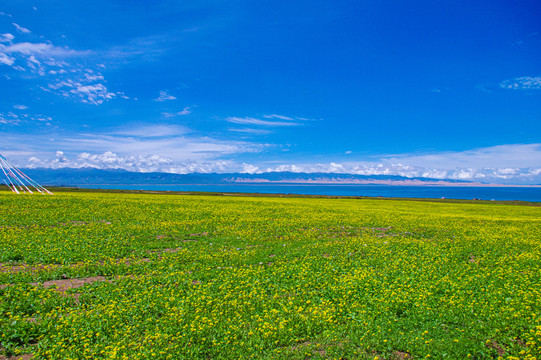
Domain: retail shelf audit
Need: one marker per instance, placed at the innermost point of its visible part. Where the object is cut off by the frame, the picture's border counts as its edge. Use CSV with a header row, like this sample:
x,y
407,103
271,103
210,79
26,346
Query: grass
x,y
224,277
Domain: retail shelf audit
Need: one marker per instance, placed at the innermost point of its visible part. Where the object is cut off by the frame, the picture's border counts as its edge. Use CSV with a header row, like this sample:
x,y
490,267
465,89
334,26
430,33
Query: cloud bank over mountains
x,y
507,164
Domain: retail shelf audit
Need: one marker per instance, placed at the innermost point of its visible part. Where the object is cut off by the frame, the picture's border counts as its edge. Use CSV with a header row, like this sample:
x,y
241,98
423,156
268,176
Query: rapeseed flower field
x,y
142,276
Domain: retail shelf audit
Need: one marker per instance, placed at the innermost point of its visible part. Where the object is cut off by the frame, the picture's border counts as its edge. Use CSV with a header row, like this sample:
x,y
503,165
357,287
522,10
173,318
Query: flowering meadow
x,y
154,276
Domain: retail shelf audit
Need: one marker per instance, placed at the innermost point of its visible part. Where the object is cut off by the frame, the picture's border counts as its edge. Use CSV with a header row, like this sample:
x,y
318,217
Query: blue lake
x,y
450,192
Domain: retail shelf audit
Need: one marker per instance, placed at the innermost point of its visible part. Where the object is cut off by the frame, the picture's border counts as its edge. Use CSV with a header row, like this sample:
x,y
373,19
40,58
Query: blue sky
x,y
445,89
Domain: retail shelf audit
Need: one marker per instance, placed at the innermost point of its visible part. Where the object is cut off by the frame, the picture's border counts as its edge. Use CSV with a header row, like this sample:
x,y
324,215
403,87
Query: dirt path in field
x,y
18,357
66,284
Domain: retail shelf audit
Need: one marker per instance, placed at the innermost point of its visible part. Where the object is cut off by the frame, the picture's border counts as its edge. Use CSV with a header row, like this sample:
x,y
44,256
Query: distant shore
x,y
375,182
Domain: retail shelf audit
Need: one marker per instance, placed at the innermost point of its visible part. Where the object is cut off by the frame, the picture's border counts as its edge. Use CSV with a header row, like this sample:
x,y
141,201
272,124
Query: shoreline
x,y
316,183
98,190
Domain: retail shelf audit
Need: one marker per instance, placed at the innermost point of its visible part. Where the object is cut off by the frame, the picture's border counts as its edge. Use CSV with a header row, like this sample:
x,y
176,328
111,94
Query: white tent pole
x,y
10,185
37,186
7,177
16,178
23,176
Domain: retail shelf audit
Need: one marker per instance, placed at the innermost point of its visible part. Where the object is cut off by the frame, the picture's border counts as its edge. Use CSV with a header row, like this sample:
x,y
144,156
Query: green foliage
x,y
190,277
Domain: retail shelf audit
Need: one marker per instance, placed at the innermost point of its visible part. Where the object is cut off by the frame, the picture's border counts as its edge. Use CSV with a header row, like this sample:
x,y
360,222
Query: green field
x,y
226,277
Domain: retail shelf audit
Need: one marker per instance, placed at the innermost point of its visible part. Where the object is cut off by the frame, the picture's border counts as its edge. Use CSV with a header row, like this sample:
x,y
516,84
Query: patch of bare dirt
x,y
520,342
199,234
186,239
321,352
64,285
166,250
5,268
400,355
494,345
18,357
301,345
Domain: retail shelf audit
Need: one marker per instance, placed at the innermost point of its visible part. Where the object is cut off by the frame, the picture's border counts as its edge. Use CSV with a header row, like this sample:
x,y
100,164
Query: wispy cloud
x,y
6,60
250,131
149,48
177,144
522,83
42,49
21,29
153,131
513,163
85,89
275,116
501,156
255,121
59,70
20,117
6,37
9,119
178,150
164,96
186,111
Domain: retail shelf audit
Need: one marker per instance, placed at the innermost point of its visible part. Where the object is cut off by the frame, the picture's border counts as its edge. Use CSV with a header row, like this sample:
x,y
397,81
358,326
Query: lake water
x,y
450,192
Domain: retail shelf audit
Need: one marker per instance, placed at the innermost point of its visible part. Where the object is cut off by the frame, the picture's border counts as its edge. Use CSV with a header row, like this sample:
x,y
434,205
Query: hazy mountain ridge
x,y
91,176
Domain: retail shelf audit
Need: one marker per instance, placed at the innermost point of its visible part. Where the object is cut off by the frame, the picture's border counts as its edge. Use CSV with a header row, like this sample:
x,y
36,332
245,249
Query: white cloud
x,y
85,90
42,49
60,68
148,48
138,163
176,149
21,29
93,94
206,167
186,111
250,131
275,116
250,169
515,163
6,37
254,121
164,96
176,143
153,131
489,175
501,156
20,117
9,119
93,77
522,83
6,60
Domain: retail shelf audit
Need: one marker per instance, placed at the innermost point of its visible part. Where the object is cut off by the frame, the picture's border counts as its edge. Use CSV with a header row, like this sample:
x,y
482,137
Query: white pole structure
x,y
14,178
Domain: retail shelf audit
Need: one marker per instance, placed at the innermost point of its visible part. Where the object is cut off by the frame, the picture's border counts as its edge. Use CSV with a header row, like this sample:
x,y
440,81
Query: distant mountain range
x,y
96,177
